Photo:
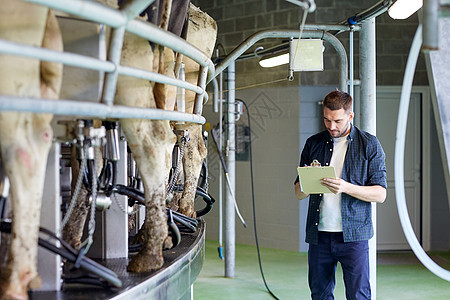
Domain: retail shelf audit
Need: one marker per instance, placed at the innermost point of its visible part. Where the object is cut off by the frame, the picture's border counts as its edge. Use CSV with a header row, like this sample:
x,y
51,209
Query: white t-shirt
x,y
330,207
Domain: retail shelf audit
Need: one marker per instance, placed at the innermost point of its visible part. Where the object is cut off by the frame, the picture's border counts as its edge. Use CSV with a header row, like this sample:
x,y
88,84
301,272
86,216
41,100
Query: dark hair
x,y
337,100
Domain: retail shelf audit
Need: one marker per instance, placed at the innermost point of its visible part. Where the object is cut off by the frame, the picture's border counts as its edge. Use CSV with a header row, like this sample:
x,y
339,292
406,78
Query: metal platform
x,y
174,281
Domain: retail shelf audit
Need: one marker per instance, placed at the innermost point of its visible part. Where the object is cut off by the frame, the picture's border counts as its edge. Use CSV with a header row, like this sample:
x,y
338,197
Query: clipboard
x,y
310,179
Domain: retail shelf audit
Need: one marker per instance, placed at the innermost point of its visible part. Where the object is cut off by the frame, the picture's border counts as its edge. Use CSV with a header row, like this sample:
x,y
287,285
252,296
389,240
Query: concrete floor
x,y
399,276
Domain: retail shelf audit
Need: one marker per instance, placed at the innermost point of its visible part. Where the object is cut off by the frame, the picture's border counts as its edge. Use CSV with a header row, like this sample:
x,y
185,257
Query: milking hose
x,y
399,161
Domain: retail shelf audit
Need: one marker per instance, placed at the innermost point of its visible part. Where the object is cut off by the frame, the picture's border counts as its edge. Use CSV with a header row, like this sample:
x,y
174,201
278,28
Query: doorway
x,y
390,235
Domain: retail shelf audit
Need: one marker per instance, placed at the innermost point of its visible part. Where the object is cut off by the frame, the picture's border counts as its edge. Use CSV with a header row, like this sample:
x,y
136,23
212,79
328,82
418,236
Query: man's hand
x,y
298,192
335,185
373,193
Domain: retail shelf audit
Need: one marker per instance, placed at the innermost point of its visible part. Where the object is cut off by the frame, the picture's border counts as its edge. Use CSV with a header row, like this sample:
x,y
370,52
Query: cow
x,y
25,138
202,31
151,141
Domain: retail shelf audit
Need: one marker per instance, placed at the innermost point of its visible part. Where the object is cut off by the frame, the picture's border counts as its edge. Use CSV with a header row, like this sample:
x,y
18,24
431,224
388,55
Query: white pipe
x,y
87,9
157,77
367,74
161,37
220,165
198,106
102,14
70,59
430,34
90,109
230,225
399,161
114,55
215,95
351,66
181,91
281,33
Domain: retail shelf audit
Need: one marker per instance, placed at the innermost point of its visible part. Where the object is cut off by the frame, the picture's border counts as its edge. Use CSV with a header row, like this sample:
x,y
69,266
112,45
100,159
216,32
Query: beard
x,y
340,133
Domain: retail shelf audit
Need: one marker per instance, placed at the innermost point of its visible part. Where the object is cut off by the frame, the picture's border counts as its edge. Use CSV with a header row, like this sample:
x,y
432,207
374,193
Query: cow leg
x,y
151,143
201,33
193,158
26,138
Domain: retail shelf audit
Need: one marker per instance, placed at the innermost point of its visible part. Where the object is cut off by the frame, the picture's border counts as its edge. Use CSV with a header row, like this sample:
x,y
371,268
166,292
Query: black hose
x,y
176,235
253,200
203,175
71,254
208,199
130,192
90,280
3,207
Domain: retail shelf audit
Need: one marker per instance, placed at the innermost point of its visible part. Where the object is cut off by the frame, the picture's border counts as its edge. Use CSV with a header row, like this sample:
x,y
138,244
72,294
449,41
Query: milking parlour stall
x,y
102,169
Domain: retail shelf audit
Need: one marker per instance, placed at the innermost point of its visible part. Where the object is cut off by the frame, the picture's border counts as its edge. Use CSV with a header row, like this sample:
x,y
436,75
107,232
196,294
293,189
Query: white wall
x,y
274,120
281,120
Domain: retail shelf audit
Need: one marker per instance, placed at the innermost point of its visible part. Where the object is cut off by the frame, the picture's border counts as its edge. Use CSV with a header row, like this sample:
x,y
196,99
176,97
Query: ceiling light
x,y
274,60
403,9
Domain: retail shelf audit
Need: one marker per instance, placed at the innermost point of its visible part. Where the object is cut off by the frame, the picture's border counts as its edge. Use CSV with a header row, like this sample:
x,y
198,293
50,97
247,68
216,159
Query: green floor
x,y
399,276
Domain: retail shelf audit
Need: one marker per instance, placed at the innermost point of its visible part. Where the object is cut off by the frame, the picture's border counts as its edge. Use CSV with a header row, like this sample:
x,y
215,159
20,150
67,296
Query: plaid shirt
x,y
364,165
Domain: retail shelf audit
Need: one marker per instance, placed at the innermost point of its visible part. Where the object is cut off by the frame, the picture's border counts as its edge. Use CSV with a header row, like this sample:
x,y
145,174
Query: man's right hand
x,y
298,192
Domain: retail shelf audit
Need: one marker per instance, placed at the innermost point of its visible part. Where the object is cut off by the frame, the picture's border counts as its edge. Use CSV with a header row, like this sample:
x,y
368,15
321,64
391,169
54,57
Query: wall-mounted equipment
x,y
303,55
306,55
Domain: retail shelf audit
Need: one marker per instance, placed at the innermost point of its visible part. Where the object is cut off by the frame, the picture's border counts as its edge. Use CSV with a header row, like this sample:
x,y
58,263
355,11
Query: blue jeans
x,y
354,259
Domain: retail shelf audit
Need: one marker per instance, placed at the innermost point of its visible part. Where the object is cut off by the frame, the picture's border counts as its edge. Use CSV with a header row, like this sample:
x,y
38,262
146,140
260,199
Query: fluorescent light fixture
x,y
403,9
274,60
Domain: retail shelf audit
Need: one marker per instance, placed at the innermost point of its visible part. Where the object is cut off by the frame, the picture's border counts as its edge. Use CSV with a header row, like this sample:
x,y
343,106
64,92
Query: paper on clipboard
x,y
310,179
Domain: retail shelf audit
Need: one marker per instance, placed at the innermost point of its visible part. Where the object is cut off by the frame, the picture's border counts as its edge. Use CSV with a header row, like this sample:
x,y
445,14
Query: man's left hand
x,y
335,185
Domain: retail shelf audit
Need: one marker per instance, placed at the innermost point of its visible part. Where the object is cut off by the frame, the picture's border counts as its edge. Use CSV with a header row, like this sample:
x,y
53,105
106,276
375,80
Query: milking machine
x,y
100,182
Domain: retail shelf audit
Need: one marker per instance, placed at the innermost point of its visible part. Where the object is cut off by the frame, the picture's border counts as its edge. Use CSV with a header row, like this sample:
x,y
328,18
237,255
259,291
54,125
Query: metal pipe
x,y
156,77
250,41
220,166
215,95
90,10
115,51
230,232
372,12
198,108
331,27
70,59
368,118
159,36
106,15
181,91
77,60
351,76
430,31
95,110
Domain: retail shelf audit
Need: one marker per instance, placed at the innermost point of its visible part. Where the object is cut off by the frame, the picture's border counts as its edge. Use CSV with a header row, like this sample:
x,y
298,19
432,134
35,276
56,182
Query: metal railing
x,y
121,21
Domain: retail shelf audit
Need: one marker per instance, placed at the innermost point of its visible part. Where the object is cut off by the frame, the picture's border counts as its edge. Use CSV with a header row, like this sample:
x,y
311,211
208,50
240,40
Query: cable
x,y
225,170
253,199
74,200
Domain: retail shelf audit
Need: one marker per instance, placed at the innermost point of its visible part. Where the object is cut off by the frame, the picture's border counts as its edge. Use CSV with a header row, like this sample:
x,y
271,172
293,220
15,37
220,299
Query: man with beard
x,y
339,223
